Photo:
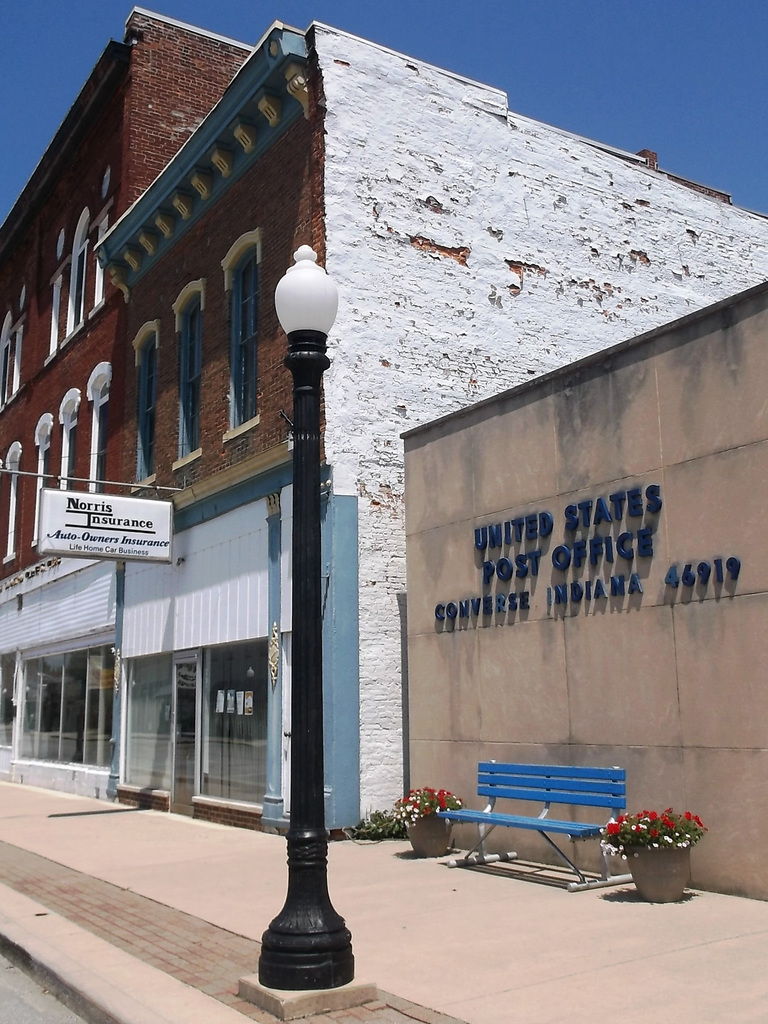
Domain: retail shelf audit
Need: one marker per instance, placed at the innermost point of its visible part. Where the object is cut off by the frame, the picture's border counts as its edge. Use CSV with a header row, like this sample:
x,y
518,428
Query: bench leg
x,y
605,880
477,854
583,882
599,883
480,858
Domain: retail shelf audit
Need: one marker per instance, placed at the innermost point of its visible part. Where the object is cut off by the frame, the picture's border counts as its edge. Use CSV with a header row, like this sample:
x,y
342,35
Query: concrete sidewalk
x,y
155,917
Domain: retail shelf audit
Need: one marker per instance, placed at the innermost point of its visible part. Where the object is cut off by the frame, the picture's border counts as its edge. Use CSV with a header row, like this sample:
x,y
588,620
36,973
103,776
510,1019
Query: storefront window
x,y
235,722
68,707
7,670
149,723
99,704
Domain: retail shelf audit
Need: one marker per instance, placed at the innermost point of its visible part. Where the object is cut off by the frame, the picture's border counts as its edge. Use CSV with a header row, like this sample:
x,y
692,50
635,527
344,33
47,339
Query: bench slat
x,y
555,771
571,828
557,781
553,796
539,782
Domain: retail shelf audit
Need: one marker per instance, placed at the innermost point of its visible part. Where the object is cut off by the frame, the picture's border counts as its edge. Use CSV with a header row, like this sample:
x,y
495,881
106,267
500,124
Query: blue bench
x,y
544,785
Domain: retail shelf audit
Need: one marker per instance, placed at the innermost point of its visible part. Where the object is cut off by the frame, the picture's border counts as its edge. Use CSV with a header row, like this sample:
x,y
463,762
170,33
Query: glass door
x,y
185,719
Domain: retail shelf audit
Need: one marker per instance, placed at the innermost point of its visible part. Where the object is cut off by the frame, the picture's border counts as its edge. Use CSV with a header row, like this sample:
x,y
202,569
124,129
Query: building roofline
x,y
502,96
213,157
101,84
604,356
416,60
185,25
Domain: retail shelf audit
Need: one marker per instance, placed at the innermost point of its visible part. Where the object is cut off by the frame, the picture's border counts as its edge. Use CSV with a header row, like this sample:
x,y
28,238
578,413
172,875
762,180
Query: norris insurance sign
x,y
104,526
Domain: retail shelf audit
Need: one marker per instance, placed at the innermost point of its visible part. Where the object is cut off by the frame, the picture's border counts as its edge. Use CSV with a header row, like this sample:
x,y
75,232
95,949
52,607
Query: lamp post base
x,y
307,946
309,969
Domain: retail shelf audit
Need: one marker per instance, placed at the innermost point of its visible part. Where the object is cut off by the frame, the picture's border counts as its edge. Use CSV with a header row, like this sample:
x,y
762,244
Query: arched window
x,y
98,284
189,326
16,341
76,309
241,279
53,341
146,344
68,409
43,432
98,393
6,369
12,464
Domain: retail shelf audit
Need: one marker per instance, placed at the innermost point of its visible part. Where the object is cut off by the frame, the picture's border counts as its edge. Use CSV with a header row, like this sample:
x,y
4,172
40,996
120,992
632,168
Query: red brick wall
x,y
277,195
44,382
175,77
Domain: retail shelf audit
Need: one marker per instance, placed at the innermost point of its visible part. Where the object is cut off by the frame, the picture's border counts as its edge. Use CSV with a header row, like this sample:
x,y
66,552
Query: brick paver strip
x,y
195,952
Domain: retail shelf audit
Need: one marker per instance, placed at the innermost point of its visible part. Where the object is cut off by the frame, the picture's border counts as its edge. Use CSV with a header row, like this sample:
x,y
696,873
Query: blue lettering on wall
x,y
617,500
517,559
602,514
504,569
634,502
653,498
635,586
624,546
561,557
645,542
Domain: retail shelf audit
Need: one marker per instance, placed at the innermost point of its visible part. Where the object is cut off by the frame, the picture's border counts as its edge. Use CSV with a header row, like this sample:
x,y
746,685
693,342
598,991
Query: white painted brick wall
x,y
560,249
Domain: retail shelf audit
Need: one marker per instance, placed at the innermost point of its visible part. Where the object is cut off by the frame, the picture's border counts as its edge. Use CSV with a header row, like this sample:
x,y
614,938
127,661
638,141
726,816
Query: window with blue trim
x,y
189,386
245,324
146,410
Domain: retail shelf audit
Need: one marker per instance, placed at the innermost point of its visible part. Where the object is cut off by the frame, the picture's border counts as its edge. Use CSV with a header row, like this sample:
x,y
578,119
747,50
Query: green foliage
x,y
379,825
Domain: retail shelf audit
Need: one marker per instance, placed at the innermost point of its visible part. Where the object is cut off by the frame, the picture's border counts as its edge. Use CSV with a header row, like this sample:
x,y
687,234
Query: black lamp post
x,y
307,946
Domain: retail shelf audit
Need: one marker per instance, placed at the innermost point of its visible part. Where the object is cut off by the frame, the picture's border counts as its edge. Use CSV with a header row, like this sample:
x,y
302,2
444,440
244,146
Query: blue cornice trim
x,y
226,501
263,73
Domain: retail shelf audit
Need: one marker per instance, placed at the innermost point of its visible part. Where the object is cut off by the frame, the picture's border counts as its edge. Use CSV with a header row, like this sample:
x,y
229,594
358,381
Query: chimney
x,y
651,158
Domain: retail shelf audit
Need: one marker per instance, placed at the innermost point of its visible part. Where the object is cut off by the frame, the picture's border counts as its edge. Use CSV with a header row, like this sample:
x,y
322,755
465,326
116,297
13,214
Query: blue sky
x,y
687,78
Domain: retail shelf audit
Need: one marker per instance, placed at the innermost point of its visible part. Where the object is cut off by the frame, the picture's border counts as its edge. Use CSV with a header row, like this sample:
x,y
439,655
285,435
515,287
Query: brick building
x,y
63,360
473,248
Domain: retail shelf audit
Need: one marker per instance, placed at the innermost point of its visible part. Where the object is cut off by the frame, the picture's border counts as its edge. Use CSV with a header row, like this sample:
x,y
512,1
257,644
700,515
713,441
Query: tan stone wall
x,y
671,683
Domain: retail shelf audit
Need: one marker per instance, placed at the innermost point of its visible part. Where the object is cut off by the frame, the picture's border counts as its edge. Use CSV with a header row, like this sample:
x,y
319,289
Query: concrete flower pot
x,y
430,836
660,876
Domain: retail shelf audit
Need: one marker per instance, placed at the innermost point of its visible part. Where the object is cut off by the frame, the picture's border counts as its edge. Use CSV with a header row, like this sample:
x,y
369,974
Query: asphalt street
x,y
24,1001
